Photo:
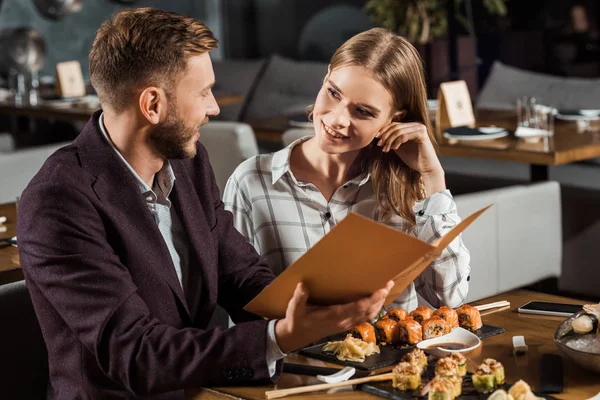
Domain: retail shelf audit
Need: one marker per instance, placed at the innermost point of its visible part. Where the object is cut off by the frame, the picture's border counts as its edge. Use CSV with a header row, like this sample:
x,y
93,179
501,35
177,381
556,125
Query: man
x,y
126,246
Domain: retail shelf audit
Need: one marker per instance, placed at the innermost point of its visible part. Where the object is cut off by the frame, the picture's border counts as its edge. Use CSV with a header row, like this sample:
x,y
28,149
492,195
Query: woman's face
x,y
351,107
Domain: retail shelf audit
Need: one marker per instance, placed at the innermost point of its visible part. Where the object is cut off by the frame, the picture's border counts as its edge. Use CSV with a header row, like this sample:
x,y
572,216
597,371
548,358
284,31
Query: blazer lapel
x,y
116,187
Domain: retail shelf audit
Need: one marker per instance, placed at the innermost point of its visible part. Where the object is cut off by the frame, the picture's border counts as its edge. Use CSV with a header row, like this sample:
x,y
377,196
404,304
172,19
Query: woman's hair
x,y
396,64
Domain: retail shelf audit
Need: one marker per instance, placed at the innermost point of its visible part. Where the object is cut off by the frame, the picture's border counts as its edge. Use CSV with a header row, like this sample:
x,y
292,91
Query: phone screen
x,y
552,307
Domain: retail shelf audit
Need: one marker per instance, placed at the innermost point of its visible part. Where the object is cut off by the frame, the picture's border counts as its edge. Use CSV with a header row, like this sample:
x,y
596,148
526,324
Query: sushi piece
x,y
585,323
406,376
469,317
421,314
441,389
446,367
447,314
500,394
417,358
483,379
397,314
409,331
461,361
497,369
434,327
385,330
364,332
521,391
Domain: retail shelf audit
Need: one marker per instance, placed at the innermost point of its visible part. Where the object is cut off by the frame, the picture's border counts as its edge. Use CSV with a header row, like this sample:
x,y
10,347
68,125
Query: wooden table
x,y
10,270
538,332
566,146
82,113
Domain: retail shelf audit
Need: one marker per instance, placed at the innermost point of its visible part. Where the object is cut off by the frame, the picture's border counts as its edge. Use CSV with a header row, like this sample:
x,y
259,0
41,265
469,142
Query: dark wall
x,y
71,38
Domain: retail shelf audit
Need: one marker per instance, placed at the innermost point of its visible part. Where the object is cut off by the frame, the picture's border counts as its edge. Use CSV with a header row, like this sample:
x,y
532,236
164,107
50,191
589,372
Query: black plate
x,y
389,354
386,390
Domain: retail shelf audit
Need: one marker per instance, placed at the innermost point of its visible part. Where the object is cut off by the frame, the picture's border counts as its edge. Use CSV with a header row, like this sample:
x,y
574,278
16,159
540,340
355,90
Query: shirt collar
x,y
280,165
163,180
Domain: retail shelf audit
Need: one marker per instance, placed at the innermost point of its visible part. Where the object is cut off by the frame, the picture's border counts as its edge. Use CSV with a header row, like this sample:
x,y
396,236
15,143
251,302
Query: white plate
x,y
589,116
458,335
525,132
490,130
483,136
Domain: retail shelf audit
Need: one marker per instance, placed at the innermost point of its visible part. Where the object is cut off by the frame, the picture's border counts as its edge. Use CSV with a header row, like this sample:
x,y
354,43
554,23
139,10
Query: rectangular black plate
x,y
389,354
386,390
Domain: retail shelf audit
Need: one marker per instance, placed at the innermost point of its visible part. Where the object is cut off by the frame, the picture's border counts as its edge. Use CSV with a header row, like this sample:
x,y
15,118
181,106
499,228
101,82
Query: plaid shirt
x,y
282,218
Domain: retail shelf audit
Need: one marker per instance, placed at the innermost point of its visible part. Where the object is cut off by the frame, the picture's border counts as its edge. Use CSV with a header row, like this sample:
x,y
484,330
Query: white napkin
x,y
523,131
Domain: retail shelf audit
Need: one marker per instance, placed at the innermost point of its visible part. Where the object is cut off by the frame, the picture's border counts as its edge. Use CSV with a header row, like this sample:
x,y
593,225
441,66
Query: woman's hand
x,y
411,143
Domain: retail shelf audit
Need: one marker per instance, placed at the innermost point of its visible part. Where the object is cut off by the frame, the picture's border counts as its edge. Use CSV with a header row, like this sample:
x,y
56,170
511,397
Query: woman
x,y
372,153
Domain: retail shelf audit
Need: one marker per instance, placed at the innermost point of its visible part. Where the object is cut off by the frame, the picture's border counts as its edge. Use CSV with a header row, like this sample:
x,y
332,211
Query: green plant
x,y
421,20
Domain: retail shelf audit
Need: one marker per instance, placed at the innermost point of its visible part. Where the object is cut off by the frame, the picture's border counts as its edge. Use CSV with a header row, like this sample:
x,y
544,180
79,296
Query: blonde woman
x,y
372,153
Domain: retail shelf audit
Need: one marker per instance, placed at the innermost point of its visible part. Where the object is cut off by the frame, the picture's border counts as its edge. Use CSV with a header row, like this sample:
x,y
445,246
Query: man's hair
x,y
143,47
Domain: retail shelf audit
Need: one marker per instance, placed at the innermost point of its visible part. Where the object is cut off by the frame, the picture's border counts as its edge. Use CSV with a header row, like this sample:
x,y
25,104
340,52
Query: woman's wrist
x,y
434,181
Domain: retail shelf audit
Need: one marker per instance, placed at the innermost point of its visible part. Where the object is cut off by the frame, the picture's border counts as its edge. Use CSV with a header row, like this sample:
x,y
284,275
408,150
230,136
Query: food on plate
x,y
406,376
364,332
447,314
446,367
351,349
461,361
469,317
592,309
483,379
585,323
418,358
500,394
421,313
522,391
441,389
385,330
434,327
497,369
397,314
409,331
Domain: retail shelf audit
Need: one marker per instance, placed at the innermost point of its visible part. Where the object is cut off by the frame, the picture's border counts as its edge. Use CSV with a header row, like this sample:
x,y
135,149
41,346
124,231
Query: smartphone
x,y
549,308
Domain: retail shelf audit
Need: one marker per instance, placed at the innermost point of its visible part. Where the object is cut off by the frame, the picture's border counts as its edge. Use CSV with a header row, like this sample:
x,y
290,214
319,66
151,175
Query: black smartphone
x,y
549,308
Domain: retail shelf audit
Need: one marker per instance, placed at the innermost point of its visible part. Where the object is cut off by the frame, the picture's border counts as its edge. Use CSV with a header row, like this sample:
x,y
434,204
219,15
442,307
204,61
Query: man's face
x,y
190,103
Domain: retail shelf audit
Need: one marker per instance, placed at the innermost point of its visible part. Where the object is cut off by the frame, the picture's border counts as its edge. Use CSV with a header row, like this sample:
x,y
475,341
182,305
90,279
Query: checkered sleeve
x,y
236,198
446,280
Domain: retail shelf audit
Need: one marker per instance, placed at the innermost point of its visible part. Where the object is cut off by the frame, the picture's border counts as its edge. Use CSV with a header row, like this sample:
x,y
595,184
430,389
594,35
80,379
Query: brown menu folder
x,y
356,258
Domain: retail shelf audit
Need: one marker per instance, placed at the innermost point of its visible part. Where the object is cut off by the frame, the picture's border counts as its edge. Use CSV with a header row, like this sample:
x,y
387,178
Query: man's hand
x,y
304,324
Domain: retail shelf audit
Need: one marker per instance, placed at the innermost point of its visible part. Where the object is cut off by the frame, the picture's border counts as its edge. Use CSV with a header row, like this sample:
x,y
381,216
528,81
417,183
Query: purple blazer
x,y
113,315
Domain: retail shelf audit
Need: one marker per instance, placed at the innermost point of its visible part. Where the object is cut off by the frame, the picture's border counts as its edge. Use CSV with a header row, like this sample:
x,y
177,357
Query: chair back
x,y
291,135
23,354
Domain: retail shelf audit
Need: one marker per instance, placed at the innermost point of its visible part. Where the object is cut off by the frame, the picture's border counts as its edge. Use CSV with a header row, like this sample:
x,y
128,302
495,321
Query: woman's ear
x,y
398,116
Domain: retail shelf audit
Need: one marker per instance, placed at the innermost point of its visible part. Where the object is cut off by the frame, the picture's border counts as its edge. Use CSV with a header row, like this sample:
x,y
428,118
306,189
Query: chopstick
x,y
495,310
502,303
276,394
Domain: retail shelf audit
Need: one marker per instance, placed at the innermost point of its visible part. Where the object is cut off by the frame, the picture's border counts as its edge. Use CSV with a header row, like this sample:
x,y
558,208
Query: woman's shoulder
x,y
251,169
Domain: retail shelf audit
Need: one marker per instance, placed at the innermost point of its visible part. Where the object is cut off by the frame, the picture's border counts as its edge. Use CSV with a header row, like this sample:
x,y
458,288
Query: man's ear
x,y
153,104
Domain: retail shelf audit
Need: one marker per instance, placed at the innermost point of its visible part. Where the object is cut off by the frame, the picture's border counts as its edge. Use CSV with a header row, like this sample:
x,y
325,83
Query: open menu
x,y
356,258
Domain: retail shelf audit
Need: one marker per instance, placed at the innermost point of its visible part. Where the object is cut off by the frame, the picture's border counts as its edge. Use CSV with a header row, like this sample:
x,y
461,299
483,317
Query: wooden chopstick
x,y
495,310
502,303
276,394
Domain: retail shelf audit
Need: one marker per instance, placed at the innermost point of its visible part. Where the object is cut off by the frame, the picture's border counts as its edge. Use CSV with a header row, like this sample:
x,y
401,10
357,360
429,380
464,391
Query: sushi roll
x,y
585,323
434,327
497,369
417,358
385,330
521,390
406,376
461,361
441,389
446,367
469,317
364,332
409,331
447,314
397,314
421,314
483,379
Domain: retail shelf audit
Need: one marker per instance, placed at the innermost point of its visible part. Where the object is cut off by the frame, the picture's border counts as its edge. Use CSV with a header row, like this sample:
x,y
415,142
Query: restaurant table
x,y
68,112
538,331
10,271
567,145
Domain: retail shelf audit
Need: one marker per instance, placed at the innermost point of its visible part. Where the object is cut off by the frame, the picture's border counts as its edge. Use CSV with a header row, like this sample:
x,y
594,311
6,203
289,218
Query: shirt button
x,y
327,215
345,186
421,213
149,198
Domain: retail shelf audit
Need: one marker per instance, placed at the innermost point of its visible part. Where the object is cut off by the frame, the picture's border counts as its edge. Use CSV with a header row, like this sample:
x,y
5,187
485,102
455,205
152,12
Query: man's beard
x,y
171,139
